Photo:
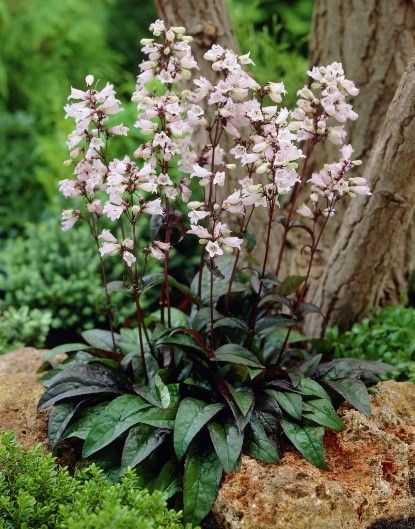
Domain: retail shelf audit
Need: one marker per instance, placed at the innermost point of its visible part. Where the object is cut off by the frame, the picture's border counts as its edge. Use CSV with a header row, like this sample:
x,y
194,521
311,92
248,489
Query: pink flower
x,y
69,218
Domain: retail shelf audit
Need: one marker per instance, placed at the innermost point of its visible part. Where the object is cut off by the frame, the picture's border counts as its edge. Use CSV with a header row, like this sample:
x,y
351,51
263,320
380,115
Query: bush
x,y
23,326
36,493
387,335
51,270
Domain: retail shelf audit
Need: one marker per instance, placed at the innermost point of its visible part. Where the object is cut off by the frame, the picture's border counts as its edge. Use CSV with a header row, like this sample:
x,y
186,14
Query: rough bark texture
x,y
372,239
207,21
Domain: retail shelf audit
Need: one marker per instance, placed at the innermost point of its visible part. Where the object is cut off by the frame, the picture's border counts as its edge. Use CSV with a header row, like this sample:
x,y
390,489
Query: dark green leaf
x,y
191,416
261,447
290,402
353,391
310,387
236,354
290,285
351,368
227,441
168,480
322,412
307,308
100,339
119,415
244,398
159,418
202,475
270,323
59,419
202,318
233,323
310,365
141,441
73,391
62,349
308,440
89,417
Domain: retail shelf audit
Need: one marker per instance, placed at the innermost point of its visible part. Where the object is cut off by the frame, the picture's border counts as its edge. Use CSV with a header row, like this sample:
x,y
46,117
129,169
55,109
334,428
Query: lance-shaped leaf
x,y
202,475
100,339
169,479
244,398
191,416
227,441
141,441
63,349
236,354
59,419
119,415
292,403
88,418
261,447
354,391
322,412
308,440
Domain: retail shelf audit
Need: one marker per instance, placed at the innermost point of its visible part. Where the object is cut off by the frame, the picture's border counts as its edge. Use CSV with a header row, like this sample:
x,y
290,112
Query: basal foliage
x,y
218,370
37,493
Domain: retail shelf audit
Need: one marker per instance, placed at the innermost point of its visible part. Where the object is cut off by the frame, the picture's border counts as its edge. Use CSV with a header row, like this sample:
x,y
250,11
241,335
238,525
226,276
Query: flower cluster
x,y
269,144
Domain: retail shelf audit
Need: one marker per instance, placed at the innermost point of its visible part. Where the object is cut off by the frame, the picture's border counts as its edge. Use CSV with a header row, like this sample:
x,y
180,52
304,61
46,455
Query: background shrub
x,y
22,326
387,335
36,493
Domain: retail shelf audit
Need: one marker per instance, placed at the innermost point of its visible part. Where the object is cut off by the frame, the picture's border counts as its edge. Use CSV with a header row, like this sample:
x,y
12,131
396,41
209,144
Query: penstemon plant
x,y
186,392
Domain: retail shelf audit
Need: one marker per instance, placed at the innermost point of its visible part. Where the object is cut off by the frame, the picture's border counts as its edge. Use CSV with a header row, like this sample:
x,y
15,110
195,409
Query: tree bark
x,y
207,21
373,235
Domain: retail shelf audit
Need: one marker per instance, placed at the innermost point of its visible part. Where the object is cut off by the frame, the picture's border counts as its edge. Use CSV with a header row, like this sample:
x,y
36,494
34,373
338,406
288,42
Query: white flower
x,y
69,218
129,258
199,231
110,245
213,249
158,250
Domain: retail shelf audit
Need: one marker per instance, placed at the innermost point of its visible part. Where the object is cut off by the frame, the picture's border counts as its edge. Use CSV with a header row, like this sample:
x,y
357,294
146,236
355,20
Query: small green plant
x,y
36,493
23,326
387,335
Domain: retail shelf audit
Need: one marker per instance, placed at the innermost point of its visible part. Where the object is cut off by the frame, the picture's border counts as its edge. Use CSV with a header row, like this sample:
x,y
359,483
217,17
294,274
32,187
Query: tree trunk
x,y
207,21
374,40
373,235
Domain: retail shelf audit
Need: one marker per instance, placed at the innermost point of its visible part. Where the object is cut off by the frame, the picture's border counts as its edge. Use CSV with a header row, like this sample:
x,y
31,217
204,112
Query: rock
x,y
19,395
371,481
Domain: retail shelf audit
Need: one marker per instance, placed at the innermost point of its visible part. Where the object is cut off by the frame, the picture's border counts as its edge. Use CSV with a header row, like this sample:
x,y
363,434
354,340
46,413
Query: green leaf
x,y
202,318
310,387
261,447
159,418
181,340
141,441
233,323
202,475
168,480
292,403
154,280
59,419
244,398
162,391
270,323
236,354
353,391
191,416
89,417
227,441
290,285
119,415
322,412
62,349
308,440
100,339
351,367
178,318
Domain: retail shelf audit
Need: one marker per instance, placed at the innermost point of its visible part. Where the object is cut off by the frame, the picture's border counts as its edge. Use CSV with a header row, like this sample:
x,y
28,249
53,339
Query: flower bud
x,y
180,30
260,146
230,166
263,168
357,162
195,204
89,79
146,42
186,74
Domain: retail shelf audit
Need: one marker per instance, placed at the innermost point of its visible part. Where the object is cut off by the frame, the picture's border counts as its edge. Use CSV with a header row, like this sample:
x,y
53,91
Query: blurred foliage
x,y
276,34
47,269
22,326
387,335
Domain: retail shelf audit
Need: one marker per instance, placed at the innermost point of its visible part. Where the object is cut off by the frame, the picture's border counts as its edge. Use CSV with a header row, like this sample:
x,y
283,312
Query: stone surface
x,y
19,395
372,476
